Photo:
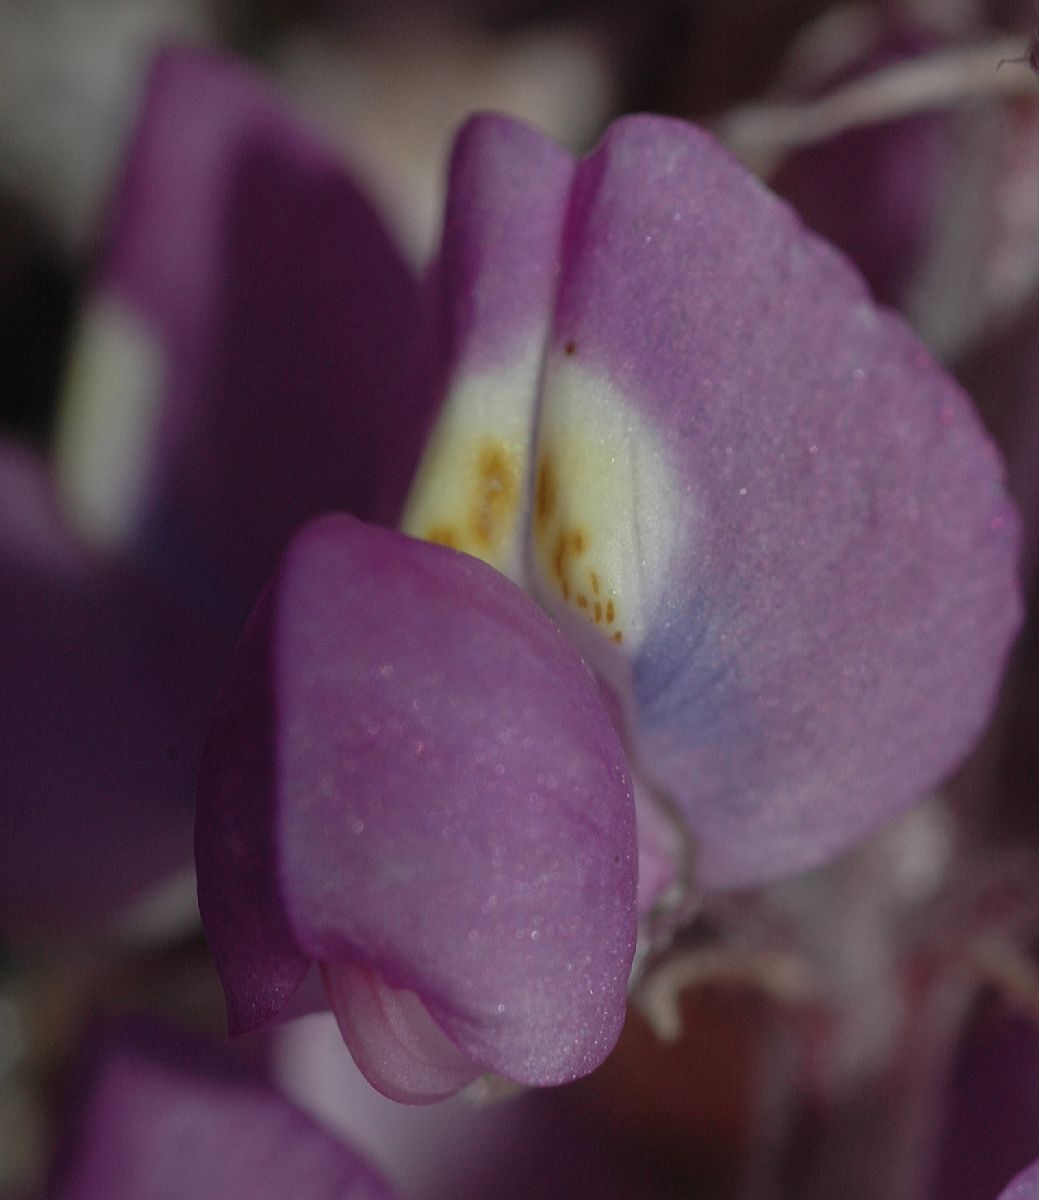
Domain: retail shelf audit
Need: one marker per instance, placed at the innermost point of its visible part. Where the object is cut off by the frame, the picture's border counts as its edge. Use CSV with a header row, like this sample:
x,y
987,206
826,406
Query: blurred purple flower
x,y
765,518
238,368
157,1115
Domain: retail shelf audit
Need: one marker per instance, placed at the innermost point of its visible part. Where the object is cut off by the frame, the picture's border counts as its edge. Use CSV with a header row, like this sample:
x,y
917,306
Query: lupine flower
x,y
674,422
159,1115
246,321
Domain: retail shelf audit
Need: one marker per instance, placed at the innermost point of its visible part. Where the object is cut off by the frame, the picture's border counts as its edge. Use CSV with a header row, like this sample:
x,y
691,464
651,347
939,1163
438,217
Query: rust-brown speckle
x,y
565,550
494,498
559,563
443,535
545,492
618,637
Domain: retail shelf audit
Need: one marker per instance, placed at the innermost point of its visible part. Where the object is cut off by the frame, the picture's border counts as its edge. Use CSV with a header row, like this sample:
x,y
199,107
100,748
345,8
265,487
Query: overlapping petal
x,y
243,359
162,1117
410,772
753,501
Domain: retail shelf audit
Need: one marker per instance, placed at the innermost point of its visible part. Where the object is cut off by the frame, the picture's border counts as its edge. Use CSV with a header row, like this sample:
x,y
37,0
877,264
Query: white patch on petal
x,y
606,507
106,430
471,487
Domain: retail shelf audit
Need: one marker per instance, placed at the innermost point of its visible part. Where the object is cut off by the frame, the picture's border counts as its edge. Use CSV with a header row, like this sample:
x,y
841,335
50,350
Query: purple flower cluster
x,y
506,618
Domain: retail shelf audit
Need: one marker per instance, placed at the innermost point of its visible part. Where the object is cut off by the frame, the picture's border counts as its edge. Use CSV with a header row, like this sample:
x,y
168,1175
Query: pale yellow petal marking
x,y
606,506
107,422
469,490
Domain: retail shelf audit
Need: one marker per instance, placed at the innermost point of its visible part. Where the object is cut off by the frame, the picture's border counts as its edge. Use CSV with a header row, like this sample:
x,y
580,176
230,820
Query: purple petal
x,y
1024,1186
242,360
411,771
760,489
510,188
163,1118
107,687
493,292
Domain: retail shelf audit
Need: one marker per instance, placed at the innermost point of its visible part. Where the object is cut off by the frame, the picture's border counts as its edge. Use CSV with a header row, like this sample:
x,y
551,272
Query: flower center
x,y
573,498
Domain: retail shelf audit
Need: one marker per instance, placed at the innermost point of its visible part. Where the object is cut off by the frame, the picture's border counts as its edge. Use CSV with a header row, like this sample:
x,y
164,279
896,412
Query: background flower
x,y
156,1114
220,391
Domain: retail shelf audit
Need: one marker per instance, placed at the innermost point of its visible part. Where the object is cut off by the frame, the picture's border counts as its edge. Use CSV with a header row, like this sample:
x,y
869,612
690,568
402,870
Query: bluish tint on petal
x,y
758,507
107,683
242,360
161,1117
754,502
410,770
